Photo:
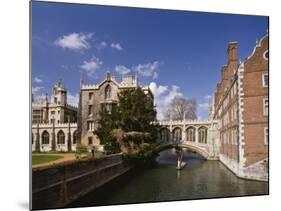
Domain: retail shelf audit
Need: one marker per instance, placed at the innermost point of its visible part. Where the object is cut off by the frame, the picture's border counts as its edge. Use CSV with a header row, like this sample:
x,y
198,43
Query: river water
x,y
162,182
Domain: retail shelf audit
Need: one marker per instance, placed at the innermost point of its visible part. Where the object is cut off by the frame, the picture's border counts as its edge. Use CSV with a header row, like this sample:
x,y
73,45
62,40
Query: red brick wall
x,y
254,94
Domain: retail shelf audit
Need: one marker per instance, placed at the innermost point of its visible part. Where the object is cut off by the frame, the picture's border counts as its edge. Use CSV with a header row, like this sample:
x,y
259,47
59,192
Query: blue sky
x,y
176,53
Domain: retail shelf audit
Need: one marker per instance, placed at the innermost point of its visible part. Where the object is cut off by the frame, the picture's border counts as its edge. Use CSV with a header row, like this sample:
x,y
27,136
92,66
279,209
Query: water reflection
x,y
198,179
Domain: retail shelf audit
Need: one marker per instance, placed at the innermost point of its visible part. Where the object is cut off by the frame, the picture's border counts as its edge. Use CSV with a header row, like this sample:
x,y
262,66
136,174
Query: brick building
x,y
241,105
104,95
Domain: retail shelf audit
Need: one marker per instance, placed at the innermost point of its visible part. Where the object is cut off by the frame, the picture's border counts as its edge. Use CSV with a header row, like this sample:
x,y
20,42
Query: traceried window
x,y
107,92
190,134
61,137
177,135
265,80
165,135
265,107
45,137
202,135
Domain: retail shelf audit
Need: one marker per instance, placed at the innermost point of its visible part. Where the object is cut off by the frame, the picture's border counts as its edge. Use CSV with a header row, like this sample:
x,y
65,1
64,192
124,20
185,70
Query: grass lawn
x,y
89,155
38,159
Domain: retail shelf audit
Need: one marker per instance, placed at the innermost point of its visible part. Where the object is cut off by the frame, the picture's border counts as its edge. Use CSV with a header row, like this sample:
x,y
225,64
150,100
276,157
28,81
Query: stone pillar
x,y
37,142
196,135
171,133
183,136
68,137
53,137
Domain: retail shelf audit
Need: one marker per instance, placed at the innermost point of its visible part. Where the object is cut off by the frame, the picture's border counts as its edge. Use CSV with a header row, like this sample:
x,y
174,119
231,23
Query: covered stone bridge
x,y
198,136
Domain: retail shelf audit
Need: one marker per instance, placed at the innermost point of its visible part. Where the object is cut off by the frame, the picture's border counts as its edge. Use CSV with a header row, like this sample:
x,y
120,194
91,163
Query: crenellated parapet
x,y
56,125
183,122
89,86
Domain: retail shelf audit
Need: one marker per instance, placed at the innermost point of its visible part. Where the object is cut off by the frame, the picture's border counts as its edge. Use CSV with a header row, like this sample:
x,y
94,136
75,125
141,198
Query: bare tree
x,y
181,108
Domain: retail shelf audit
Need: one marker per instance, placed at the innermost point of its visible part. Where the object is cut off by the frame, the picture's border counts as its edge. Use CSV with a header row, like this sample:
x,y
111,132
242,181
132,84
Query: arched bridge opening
x,y
191,148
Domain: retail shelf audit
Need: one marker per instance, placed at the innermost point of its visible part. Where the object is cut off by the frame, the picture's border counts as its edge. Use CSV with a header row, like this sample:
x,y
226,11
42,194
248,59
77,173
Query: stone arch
x,y
193,148
196,149
190,133
164,135
45,137
60,137
202,134
177,134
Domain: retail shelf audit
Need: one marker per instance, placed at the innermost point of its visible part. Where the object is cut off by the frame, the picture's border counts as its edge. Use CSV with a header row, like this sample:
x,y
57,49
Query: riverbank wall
x,y
257,171
58,185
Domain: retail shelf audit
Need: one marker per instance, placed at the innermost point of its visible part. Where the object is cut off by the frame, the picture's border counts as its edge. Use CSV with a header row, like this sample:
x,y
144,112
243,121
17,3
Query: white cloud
x,y
73,99
91,66
206,102
75,41
103,44
38,80
163,95
203,106
116,46
122,69
37,96
148,70
36,89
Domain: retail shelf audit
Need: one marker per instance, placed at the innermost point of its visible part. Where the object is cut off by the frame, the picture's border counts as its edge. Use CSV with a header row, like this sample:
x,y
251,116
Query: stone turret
x,y
59,94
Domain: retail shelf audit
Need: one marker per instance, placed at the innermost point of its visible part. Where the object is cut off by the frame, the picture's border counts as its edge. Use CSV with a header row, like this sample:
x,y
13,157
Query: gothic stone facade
x,y
104,95
57,110
241,106
54,124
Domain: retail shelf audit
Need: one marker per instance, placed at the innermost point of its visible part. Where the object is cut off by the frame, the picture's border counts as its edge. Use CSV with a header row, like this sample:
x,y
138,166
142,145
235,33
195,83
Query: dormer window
x,y
107,92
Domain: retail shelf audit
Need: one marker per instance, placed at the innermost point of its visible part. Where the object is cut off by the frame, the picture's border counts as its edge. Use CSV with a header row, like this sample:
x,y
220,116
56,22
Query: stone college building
x,y
236,132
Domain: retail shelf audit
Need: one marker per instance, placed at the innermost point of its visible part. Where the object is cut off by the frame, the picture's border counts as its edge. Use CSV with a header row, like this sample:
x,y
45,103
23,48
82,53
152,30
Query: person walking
x,y
93,151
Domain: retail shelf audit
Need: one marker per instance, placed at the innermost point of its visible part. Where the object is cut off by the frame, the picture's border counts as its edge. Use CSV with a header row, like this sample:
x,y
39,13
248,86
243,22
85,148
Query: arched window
x,y
61,137
190,134
45,137
164,135
107,92
202,135
75,137
177,134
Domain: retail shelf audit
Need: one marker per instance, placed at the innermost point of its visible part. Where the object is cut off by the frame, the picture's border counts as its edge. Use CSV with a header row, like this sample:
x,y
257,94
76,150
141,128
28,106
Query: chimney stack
x,y
232,52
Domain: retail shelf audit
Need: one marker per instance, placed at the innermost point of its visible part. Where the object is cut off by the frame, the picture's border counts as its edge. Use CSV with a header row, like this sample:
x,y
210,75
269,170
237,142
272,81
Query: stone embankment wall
x,y
58,185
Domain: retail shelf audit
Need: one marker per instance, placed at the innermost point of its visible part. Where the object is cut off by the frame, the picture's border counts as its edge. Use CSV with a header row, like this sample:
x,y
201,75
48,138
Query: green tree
x,y
106,123
134,112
